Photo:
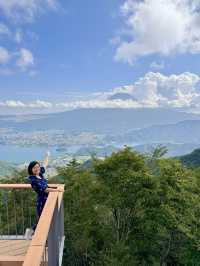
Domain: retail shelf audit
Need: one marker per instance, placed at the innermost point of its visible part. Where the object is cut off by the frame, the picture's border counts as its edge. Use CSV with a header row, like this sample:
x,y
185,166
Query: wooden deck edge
x,y
11,260
36,249
37,246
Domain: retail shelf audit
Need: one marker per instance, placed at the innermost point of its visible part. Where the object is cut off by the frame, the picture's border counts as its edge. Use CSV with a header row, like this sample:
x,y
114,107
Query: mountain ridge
x,y
105,120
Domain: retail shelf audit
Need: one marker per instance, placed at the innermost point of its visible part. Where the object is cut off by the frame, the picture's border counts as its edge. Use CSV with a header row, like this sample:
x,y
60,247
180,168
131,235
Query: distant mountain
x,y
187,131
98,151
192,159
6,169
174,149
121,96
111,121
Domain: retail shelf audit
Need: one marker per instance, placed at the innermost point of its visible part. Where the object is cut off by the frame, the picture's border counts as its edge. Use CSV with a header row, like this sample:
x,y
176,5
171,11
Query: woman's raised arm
x,y
46,160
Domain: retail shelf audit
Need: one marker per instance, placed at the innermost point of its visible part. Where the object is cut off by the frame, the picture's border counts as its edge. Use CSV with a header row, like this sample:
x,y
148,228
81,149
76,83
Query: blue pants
x,y
39,208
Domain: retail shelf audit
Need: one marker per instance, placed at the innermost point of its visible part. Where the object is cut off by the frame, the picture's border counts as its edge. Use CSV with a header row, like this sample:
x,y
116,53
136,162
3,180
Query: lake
x,y
19,154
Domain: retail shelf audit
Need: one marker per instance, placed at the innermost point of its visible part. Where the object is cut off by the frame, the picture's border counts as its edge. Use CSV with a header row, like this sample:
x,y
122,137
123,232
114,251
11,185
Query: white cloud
x,y
12,62
4,55
98,104
115,40
33,73
24,10
159,27
70,105
17,12
12,104
18,36
26,59
40,104
20,104
153,90
157,90
22,58
157,65
4,30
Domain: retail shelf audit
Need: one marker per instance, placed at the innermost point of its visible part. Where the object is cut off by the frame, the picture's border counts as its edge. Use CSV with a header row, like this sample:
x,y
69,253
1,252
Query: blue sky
x,y
70,51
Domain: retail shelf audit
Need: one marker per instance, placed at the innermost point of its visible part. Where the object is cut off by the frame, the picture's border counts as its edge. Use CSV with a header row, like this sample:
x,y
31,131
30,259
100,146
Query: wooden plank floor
x,y
14,247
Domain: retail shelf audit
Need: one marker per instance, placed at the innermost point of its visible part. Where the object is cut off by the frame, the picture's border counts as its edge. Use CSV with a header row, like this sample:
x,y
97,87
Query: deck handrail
x,y
22,186
53,206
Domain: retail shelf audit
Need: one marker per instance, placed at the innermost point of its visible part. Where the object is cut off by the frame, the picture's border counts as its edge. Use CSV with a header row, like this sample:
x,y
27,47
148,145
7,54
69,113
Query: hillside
x,y
192,159
6,168
173,149
187,131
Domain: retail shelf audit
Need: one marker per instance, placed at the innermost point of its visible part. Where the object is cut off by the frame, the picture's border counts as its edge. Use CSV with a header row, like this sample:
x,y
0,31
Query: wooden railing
x,y
47,243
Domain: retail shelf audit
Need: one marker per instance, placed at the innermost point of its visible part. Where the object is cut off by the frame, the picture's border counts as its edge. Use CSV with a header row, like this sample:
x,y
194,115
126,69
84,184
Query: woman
x,y
40,184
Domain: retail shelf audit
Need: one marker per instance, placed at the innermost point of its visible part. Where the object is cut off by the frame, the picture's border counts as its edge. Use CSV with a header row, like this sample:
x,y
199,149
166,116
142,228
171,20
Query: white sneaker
x,y
28,234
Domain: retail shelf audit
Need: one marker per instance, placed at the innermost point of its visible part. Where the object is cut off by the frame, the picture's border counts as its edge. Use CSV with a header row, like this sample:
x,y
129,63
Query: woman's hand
x,y
48,153
46,160
58,189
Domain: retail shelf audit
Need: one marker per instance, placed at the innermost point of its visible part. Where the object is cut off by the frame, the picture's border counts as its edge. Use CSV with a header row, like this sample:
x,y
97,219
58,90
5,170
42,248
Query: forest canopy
x,y
129,209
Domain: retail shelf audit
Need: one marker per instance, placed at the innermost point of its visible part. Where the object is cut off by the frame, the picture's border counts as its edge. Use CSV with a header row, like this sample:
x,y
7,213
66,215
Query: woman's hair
x,y
31,165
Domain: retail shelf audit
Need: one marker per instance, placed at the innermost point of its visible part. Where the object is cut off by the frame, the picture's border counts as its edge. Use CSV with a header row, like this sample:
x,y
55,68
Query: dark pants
x,y
39,208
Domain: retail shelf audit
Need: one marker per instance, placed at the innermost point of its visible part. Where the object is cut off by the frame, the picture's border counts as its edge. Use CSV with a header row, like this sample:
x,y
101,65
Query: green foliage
x,y
129,209
120,212
159,152
192,159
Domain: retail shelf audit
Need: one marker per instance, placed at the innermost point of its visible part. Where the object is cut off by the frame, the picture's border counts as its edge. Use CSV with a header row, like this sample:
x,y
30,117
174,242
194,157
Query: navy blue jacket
x,y
39,185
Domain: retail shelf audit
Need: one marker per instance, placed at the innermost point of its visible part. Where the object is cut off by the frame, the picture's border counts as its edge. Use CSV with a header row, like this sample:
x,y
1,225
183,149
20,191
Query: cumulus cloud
x,y
20,104
12,62
22,58
40,104
4,55
4,30
159,27
12,103
18,36
70,105
158,90
18,12
26,59
154,90
157,65
98,104
24,10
